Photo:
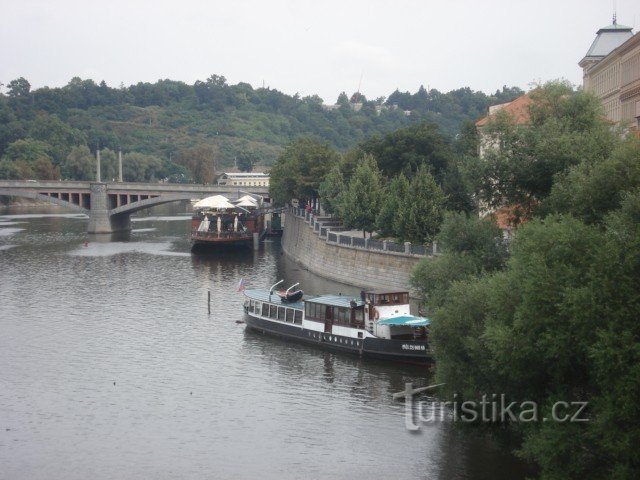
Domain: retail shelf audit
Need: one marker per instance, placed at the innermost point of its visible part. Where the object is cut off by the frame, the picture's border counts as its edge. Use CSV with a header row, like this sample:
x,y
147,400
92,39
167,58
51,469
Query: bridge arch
x,y
44,198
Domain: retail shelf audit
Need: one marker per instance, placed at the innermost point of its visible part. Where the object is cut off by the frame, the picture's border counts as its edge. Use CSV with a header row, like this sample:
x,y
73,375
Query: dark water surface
x,y
111,368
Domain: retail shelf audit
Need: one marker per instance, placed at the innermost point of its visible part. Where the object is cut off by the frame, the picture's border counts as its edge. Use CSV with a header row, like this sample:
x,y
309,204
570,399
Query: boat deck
x,y
263,296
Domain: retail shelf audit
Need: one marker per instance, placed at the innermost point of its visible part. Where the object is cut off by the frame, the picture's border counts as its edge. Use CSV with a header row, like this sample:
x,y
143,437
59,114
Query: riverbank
x,y
353,266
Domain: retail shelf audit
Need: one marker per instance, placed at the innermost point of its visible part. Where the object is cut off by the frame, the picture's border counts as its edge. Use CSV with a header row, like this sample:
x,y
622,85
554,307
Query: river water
x,y
111,368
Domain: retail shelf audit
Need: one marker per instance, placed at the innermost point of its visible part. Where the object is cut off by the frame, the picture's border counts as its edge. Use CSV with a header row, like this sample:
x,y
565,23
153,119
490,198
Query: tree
x,y
363,196
246,160
138,167
343,100
387,220
565,128
558,324
404,150
300,169
30,159
19,88
590,190
422,209
201,161
80,164
332,191
471,247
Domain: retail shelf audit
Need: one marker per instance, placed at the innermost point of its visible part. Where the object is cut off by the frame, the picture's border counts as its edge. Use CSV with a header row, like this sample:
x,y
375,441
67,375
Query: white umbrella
x,y
246,203
215,202
246,198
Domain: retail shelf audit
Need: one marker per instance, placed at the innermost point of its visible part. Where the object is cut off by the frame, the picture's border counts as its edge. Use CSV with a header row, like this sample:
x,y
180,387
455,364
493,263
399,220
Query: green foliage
x,y
422,209
558,324
300,169
163,118
521,161
393,198
472,246
30,159
332,191
592,189
137,167
80,164
363,196
404,150
201,161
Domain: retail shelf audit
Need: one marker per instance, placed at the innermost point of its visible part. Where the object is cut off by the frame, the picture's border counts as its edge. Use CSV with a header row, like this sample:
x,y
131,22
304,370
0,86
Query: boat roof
x,y
408,320
333,300
336,300
385,292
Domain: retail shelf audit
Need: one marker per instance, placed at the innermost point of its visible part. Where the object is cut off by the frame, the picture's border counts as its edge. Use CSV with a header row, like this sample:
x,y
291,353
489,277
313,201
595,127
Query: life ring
x,y
376,313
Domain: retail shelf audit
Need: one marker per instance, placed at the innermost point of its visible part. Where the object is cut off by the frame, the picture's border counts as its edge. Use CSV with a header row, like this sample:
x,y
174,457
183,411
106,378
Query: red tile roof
x,y
518,110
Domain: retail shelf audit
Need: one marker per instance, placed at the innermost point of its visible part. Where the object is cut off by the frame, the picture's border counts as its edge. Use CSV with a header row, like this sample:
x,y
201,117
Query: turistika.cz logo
x,y
493,408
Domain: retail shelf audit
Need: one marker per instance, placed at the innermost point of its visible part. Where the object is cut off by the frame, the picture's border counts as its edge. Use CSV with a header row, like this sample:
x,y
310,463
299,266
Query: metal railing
x,y
329,228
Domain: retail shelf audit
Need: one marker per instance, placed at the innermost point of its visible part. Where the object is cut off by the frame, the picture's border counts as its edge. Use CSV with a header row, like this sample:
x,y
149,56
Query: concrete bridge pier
x,y
100,221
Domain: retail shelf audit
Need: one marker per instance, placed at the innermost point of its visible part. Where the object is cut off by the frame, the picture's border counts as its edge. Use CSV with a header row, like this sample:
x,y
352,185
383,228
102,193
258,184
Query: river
x,y
111,367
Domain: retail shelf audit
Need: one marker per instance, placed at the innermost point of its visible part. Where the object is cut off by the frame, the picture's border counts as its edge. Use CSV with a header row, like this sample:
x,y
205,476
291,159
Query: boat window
x,y
265,309
384,299
281,313
256,307
273,311
342,315
289,314
307,310
298,317
251,305
321,312
396,298
359,315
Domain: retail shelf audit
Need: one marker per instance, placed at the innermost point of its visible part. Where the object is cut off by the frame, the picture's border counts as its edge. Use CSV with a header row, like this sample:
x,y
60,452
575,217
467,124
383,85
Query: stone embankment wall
x,y
352,266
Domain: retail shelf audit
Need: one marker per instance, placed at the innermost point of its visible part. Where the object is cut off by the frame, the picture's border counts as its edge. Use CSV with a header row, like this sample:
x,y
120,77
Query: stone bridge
x,y
109,205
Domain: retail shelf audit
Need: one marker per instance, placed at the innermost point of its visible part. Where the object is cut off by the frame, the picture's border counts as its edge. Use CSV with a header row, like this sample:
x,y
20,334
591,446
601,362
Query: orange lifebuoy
x,y
376,313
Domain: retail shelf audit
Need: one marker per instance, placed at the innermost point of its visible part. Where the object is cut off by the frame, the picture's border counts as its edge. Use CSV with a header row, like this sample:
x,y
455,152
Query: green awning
x,y
408,320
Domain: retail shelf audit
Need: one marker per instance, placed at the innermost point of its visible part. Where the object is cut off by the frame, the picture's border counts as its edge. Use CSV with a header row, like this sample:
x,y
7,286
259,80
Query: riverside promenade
x,y
318,244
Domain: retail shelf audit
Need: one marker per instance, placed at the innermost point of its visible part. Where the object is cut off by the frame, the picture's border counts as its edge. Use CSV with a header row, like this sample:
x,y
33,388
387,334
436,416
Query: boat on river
x,y
378,324
219,223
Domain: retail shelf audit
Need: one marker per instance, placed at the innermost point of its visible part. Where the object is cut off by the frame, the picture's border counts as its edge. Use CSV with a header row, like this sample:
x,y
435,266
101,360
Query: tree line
x,y
172,123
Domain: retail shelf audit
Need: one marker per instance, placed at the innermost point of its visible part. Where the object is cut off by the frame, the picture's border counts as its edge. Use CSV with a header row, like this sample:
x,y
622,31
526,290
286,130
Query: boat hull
x,y
211,245
407,351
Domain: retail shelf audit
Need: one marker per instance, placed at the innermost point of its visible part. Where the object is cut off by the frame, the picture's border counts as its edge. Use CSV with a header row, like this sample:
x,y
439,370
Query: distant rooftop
x,y
518,110
607,40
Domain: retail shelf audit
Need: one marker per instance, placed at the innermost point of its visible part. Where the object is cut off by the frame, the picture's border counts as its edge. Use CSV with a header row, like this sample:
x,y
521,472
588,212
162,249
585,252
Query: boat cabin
x,y
335,310
384,297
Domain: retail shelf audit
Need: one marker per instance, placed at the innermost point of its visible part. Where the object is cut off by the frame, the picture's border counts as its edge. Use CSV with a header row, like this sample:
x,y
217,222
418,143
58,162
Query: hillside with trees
x,y
182,133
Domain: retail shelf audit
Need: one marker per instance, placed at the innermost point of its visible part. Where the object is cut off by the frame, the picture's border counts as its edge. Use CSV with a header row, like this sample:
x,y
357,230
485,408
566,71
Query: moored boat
x,y
221,224
378,325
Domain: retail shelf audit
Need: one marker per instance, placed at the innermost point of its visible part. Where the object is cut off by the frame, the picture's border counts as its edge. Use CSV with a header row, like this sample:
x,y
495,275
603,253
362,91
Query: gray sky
x,y
311,47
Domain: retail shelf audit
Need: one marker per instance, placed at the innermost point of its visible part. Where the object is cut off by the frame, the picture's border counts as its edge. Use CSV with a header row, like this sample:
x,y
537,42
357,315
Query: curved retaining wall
x,y
361,268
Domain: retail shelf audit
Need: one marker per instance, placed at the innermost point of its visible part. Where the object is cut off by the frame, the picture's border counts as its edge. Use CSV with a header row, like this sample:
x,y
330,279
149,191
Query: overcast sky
x,y
311,47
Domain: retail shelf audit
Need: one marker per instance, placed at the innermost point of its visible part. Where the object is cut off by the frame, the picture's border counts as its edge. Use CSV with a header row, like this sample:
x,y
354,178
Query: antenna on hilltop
x,y
615,14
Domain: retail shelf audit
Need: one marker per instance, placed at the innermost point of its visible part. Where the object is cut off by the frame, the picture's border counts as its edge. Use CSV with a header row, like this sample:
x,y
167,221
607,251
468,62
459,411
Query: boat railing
x,y
220,234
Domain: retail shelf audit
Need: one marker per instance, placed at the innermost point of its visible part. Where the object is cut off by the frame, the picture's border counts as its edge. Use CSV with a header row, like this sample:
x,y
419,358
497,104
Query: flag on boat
x,y
241,285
